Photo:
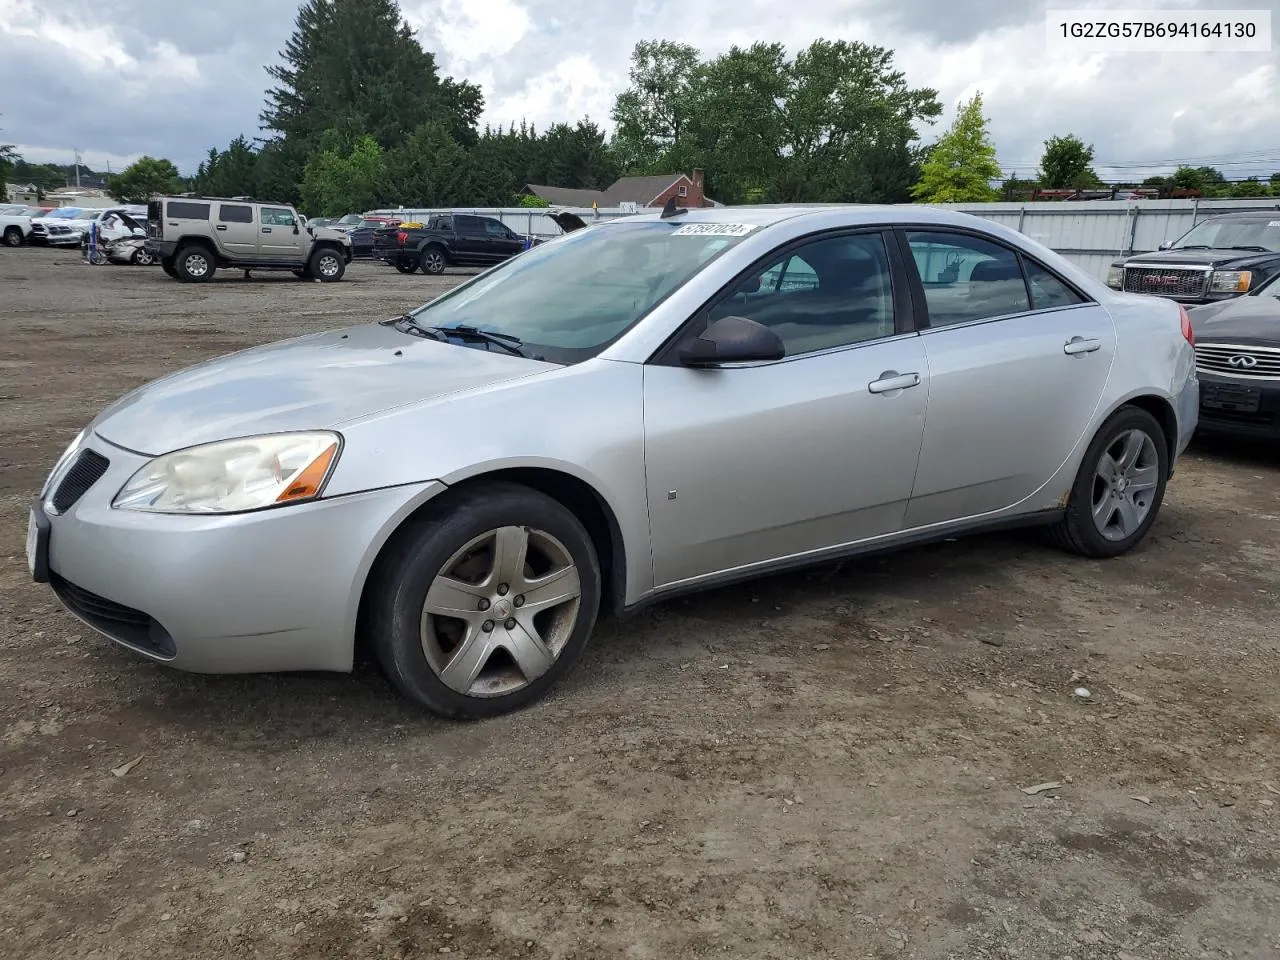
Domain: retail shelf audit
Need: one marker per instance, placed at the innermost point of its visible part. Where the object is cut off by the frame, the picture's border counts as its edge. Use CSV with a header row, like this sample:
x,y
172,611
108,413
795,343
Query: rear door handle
x,y
891,380
1078,345
266,229
221,226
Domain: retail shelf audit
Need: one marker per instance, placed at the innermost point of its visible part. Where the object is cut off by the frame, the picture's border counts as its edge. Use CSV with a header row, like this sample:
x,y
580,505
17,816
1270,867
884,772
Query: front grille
x,y
85,471
1261,420
1188,283
123,624
1238,360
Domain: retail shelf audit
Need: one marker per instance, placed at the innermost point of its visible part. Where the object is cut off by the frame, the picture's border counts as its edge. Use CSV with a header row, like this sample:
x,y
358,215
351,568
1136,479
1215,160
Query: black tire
x,y
301,274
13,236
186,264
418,554
1077,531
406,267
433,260
166,264
326,265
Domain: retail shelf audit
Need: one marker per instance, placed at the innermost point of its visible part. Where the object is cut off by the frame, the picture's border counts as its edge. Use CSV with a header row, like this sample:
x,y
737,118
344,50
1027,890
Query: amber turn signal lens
x,y
307,483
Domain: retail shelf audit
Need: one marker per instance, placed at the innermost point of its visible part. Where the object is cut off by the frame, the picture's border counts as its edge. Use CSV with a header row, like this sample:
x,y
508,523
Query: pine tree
x,y
959,168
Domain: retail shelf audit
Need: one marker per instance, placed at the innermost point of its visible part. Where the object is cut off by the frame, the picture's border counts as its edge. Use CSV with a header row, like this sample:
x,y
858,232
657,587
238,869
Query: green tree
x,y
430,169
355,65
1205,179
962,164
1067,162
1251,187
229,173
145,178
652,114
337,180
529,200
8,154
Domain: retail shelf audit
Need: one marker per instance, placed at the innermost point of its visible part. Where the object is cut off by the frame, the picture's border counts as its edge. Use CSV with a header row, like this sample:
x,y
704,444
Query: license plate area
x,y
1231,398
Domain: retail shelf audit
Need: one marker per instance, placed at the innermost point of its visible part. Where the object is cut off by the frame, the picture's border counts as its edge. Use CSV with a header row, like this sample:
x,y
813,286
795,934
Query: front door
x,y
237,231
472,244
281,237
758,462
502,243
1018,361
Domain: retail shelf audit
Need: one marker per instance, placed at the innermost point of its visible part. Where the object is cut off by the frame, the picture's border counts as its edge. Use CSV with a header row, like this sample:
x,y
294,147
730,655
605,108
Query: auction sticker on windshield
x,y
714,229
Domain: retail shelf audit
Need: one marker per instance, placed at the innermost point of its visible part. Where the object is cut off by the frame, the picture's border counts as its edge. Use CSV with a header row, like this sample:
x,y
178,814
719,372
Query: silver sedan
x,y
641,408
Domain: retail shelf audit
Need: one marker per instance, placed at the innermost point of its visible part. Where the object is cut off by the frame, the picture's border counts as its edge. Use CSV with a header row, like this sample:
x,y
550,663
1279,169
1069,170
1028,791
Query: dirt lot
x,y
826,764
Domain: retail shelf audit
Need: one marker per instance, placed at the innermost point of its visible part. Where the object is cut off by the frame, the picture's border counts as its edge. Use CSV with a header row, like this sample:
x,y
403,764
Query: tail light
x,y
401,237
1186,326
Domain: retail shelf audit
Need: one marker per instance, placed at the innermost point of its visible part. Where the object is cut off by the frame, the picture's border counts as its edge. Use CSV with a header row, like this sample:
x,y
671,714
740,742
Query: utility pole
x,y
76,151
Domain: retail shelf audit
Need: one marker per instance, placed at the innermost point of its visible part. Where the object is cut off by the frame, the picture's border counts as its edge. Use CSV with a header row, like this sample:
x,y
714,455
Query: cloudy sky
x,y
173,78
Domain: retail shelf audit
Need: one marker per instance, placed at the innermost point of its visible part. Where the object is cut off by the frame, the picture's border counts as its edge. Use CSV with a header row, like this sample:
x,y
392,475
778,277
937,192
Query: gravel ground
x,y
824,764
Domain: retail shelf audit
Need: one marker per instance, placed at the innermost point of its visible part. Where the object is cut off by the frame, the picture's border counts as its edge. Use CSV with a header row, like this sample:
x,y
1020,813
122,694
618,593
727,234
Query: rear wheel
x,y
327,266
194,264
1119,489
432,261
480,606
404,267
13,236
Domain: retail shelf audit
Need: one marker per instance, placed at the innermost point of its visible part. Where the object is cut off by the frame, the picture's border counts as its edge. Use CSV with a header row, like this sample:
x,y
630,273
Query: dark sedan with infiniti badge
x,y
1218,259
1238,361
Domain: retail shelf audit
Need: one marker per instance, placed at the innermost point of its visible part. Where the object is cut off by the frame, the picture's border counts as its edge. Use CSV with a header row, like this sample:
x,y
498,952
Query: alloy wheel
x,y
500,612
1125,484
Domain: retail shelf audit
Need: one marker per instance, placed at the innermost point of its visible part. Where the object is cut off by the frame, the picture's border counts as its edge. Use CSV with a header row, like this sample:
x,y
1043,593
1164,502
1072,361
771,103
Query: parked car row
x,y
67,226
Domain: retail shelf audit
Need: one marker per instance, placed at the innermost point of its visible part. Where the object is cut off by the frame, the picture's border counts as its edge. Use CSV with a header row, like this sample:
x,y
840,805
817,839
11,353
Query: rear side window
x,y
471,226
186,210
235,213
967,278
1047,291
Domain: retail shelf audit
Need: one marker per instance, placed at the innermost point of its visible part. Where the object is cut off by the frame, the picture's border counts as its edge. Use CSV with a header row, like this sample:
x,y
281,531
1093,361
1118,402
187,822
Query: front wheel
x,y
1119,488
481,605
327,266
142,257
13,237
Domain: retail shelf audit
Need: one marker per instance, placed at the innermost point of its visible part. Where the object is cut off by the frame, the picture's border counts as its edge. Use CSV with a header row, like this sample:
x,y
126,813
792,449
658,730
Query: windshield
x,y
568,299
33,212
374,224
1262,233
65,213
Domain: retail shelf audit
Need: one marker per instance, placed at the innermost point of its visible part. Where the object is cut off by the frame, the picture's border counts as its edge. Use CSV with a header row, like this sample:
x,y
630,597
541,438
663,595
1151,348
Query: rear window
x,y
186,210
153,210
235,213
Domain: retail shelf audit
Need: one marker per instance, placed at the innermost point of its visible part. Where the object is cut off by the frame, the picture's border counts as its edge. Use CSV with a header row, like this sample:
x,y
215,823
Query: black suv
x,y
1217,259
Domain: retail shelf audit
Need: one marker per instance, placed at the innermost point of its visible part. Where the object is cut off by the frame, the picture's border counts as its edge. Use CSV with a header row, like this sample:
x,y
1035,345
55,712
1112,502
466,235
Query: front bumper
x,y
1239,407
268,591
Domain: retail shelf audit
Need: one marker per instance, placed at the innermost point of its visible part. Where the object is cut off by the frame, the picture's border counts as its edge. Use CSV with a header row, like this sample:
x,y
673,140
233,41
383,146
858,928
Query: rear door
x,y
1018,360
280,238
237,229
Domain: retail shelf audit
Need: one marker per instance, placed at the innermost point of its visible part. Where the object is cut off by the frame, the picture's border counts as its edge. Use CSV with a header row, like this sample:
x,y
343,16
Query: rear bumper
x,y
1239,407
162,249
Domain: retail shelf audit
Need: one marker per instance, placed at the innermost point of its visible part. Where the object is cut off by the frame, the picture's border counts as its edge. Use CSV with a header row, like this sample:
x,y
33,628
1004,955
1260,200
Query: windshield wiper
x,y
407,323
1193,246
1250,247
508,341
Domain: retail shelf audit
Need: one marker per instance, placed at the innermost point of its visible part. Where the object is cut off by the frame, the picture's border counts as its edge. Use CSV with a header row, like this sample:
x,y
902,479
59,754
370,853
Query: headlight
x,y
1230,281
61,462
1115,278
232,476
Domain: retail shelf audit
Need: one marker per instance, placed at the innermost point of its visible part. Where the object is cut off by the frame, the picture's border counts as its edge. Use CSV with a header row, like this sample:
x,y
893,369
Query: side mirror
x,y
733,340
1167,245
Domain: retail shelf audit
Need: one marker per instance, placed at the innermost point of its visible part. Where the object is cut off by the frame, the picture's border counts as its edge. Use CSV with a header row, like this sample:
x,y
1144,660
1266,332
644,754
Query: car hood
x,y
1235,259
1252,320
330,233
319,381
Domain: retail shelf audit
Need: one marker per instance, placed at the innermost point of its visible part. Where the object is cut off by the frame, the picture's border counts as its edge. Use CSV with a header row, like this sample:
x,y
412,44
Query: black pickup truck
x,y
1217,259
447,240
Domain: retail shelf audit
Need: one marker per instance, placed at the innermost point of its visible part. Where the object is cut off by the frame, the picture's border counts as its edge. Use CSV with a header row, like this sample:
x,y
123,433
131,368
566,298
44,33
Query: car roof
x,y
764,214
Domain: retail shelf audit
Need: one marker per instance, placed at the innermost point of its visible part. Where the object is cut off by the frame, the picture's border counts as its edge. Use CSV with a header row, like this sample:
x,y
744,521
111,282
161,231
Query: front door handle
x,y
1079,345
892,380
266,229
221,226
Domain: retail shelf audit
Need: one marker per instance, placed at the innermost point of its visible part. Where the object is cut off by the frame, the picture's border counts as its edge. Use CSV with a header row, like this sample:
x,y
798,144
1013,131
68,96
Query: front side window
x,y
827,293
277,217
569,299
967,278
495,229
